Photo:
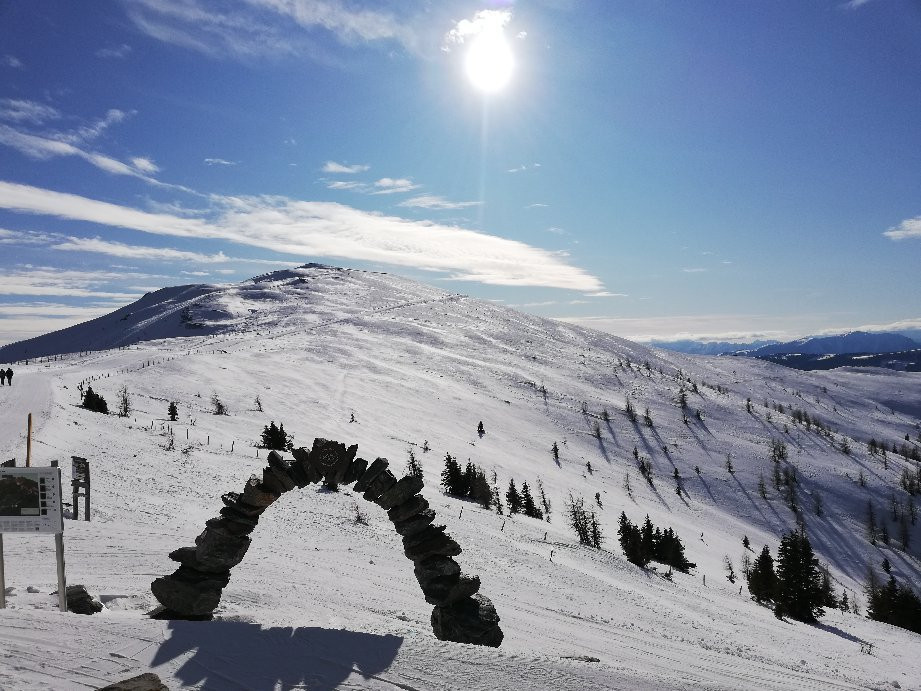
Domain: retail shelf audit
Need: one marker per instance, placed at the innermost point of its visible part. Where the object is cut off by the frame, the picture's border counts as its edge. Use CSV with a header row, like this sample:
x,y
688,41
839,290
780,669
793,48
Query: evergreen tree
x,y
555,450
93,401
172,411
452,477
413,468
579,520
762,580
480,430
275,437
799,582
528,507
479,489
544,502
894,604
512,498
124,402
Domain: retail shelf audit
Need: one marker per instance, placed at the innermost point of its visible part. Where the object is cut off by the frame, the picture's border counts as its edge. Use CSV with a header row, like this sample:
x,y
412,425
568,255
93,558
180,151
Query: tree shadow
x,y
838,632
231,654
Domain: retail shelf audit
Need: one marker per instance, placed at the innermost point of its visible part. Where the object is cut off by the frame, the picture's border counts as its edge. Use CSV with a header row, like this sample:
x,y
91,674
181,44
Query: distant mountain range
x,y
854,349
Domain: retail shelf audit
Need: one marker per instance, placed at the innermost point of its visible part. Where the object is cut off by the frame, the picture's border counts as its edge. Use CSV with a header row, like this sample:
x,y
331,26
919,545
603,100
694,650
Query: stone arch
x,y
193,591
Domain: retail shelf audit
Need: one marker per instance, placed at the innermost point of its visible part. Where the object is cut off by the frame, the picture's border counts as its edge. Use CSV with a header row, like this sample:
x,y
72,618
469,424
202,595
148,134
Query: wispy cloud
x,y
344,169
49,281
25,237
259,28
482,21
346,185
557,231
854,4
327,229
118,249
394,186
537,206
523,167
11,61
909,228
22,110
694,270
432,201
219,162
114,52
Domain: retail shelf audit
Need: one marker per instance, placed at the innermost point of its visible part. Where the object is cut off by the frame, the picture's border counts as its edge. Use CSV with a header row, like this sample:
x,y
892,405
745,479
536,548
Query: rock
x,y
81,602
182,598
443,591
32,589
143,682
377,467
302,458
415,524
435,567
217,550
400,492
423,535
332,458
282,463
234,524
204,580
411,507
256,495
235,503
439,544
272,481
355,471
379,485
162,613
469,620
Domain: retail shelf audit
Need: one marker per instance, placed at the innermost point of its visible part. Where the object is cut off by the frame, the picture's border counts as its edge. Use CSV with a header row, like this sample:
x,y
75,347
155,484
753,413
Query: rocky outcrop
x,y
193,591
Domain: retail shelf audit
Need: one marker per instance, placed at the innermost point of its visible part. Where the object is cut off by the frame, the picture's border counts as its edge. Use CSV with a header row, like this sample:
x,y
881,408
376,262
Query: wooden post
x,y
2,577
29,443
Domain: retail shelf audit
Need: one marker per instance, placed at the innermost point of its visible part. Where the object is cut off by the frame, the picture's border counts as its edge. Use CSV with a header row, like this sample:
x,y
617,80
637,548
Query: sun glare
x,y
489,61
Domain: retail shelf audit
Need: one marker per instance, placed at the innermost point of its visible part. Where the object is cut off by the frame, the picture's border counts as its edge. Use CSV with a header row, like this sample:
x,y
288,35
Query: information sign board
x,y
30,500
80,469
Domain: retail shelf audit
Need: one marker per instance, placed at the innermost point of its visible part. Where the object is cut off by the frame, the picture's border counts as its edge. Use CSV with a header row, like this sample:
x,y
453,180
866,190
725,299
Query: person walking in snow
x,y
2,377
9,376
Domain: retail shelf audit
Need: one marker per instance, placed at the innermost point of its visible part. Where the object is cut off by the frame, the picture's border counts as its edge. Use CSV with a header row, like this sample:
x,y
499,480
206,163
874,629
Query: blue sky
x,y
652,168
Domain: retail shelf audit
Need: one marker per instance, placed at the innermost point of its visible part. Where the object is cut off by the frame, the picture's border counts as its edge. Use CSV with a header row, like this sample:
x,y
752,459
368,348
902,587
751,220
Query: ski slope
x,y
323,602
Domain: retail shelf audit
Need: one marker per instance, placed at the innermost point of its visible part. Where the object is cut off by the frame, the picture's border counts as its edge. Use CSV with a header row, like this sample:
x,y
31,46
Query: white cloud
x,y
219,162
114,52
11,61
19,321
327,229
20,110
909,228
537,206
87,133
484,20
118,249
393,185
344,169
50,281
606,294
195,273
432,201
258,28
145,165
25,237
523,167
557,231
854,4
346,185
694,270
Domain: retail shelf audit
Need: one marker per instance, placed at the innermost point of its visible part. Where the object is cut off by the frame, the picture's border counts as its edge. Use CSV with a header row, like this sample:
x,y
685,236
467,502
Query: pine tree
x,y
413,468
124,402
799,582
95,402
544,502
452,477
528,507
276,438
630,411
762,580
480,430
555,450
172,411
513,498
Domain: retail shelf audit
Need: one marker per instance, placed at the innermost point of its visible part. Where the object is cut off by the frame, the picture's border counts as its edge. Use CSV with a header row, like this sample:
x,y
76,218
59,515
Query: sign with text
x,y
30,500
81,469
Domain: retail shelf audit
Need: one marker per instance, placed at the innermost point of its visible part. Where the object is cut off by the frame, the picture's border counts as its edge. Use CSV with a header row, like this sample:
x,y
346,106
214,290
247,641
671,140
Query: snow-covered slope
x,y
324,602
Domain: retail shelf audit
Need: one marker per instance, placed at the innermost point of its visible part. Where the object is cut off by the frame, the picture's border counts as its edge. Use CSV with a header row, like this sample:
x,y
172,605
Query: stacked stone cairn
x,y
193,591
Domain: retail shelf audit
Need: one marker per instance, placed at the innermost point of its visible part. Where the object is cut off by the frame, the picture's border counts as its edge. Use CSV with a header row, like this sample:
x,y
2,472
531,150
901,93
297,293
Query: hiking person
x,y
9,376
2,377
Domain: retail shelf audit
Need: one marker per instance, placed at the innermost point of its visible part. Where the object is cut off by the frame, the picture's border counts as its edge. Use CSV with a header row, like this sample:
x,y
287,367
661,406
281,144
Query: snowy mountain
x,y
323,601
853,342
691,347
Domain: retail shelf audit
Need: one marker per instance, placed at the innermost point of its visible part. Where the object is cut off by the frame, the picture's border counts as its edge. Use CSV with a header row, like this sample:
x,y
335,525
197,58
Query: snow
x,y
322,602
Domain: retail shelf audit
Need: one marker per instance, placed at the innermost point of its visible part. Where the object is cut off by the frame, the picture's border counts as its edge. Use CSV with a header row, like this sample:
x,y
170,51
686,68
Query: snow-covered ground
x,y
323,602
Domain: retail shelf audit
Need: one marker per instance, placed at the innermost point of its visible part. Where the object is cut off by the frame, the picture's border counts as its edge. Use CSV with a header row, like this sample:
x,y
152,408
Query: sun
x,y
489,61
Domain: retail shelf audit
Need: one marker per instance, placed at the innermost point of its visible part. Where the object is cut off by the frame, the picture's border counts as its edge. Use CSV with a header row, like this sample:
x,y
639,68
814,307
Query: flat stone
x,y
376,468
143,682
298,474
468,620
185,598
217,550
345,462
355,471
381,484
423,535
234,524
332,457
400,492
302,458
272,481
440,544
256,495
162,613
415,524
444,591
280,466
435,567
411,507
202,579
